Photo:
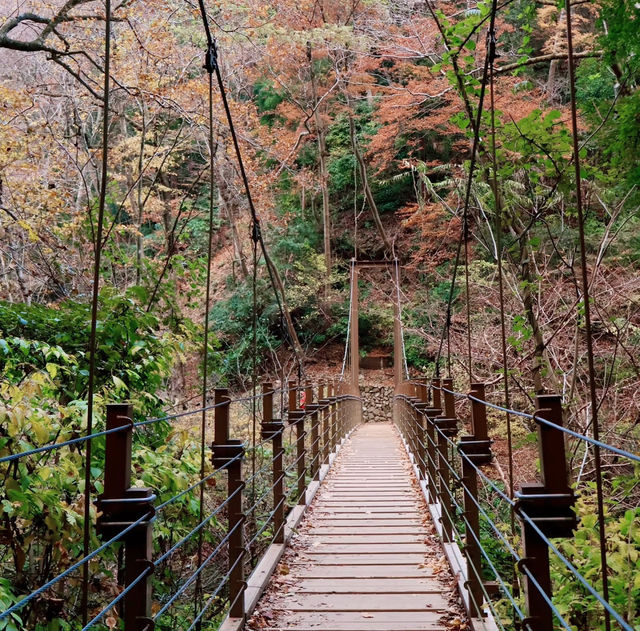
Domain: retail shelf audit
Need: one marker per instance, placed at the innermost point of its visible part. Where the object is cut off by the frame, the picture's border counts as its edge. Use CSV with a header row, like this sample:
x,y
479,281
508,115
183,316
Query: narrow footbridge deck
x,y
363,557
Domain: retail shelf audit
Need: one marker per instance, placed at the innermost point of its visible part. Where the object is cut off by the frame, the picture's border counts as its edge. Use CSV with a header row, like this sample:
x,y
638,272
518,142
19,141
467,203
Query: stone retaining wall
x,y
376,403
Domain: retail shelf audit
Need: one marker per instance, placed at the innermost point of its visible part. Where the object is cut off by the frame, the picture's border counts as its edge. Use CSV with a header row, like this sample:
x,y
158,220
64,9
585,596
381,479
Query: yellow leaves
x,y
40,432
33,236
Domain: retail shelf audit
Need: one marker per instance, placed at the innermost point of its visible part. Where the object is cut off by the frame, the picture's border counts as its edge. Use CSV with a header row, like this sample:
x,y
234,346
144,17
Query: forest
x,y
366,129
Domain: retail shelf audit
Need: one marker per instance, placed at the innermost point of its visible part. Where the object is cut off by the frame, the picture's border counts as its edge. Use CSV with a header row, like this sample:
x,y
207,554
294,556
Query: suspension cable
x,y
491,44
397,284
587,317
205,345
94,308
347,342
212,66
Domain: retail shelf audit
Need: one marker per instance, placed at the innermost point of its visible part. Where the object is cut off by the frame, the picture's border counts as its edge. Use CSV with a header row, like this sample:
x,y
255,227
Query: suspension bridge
x,y
382,489
365,505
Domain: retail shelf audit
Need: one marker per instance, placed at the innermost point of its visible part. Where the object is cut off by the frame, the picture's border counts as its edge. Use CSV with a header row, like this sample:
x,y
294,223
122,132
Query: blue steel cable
x,y
66,443
170,417
566,430
193,576
70,569
215,593
197,484
83,439
488,480
490,521
266,440
488,559
116,600
546,598
557,552
213,406
198,528
574,570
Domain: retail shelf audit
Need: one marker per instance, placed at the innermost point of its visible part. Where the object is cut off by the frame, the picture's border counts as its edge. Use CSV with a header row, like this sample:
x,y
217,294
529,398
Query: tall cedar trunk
x,y
167,218
324,173
365,185
228,203
553,66
527,275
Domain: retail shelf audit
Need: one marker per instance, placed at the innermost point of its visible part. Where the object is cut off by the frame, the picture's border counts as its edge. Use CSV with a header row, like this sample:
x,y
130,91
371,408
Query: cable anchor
x,y
256,233
211,57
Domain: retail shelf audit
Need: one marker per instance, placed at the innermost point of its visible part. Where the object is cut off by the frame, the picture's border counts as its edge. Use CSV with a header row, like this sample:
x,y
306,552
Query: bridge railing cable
x,y
473,509
315,422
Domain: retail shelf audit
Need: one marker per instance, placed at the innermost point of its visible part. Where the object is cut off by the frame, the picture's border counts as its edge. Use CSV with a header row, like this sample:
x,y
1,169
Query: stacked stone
x,y
376,403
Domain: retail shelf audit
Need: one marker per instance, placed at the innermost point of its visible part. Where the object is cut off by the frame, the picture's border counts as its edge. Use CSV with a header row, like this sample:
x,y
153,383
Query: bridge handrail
x,y
572,568
83,439
461,395
326,411
433,451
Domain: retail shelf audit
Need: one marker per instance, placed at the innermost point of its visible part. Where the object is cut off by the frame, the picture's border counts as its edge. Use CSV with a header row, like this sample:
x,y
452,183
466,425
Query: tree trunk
x,y
324,174
224,174
553,66
365,185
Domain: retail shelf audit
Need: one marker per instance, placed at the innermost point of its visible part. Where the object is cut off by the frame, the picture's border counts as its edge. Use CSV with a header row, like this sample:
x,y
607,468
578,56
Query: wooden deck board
x,y
361,560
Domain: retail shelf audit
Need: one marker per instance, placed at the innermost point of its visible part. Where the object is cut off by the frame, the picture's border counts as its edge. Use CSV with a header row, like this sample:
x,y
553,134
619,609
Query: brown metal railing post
x,y
229,453
312,410
475,450
446,427
323,402
432,454
333,421
297,418
421,439
120,506
272,430
549,506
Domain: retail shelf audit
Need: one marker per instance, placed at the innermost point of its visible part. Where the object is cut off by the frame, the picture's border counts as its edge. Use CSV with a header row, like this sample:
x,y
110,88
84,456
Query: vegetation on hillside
x,y
354,120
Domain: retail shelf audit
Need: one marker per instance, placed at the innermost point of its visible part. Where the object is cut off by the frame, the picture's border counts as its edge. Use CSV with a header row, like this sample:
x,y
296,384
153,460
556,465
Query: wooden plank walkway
x,y
365,556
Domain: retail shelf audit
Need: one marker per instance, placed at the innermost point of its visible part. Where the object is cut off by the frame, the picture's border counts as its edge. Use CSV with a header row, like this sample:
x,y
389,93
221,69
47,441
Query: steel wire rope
x,y
565,430
484,553
476,571
197,529
481,547
446,327
267,440
254,359
491,45
397,284
116,600
572,568
198,483
215,593
262,498
43,588
66,443
205,343
212,66
459,480
113,430
196,572
347,342
593,396
104,170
